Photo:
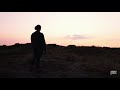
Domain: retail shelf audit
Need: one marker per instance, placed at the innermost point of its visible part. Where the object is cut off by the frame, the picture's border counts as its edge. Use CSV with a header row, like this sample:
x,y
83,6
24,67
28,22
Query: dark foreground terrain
x,y
60,62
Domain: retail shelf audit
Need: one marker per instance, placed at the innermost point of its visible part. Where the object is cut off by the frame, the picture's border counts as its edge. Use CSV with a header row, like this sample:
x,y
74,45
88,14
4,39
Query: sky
x,y
62,28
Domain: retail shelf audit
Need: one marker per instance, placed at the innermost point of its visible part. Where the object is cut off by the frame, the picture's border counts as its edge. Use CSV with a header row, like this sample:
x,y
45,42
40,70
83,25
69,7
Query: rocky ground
x,y
58,62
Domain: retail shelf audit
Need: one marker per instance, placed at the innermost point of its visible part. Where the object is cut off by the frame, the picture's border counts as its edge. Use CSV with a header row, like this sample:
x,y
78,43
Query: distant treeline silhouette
x,y
80,50
16,45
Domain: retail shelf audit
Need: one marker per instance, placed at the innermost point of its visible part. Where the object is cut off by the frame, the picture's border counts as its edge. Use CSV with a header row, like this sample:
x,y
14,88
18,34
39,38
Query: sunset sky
x,y
62,28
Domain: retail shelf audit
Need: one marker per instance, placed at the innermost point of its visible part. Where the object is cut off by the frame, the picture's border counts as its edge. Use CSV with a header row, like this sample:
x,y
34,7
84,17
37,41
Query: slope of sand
x,y
58,62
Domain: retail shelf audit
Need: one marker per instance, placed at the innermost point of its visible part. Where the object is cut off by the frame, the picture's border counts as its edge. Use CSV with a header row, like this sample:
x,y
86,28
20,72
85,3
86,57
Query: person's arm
x,y
44,43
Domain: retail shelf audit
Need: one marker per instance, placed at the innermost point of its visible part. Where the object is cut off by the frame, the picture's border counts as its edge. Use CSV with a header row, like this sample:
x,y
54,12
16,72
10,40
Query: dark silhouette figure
x,y
38,45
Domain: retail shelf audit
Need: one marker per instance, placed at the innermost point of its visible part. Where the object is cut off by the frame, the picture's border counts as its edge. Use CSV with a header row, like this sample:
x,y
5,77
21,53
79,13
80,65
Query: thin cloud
x,y
76,37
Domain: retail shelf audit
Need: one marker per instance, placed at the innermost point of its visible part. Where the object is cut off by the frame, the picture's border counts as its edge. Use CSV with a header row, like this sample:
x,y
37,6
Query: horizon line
x,y
65,45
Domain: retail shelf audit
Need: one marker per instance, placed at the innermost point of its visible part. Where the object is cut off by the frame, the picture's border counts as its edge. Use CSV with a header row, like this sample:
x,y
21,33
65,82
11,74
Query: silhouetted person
x,y
38,45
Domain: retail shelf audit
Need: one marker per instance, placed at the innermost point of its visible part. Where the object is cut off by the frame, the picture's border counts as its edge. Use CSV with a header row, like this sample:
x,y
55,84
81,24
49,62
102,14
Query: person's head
x,y
38,27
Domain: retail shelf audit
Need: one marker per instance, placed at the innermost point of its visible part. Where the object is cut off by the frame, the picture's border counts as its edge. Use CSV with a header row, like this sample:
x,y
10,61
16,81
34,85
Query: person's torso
x,y
37,39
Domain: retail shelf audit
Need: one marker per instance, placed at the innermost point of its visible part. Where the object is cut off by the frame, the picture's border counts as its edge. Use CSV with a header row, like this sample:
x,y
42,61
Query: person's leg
x,y
39,55
38,62
34,58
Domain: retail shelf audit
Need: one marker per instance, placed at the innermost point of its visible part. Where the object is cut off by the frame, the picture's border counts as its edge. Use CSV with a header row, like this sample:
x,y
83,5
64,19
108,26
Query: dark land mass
x,y
60,62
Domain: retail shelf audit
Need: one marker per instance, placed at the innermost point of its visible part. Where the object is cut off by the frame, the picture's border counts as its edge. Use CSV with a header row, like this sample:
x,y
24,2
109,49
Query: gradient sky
x,y
62,28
